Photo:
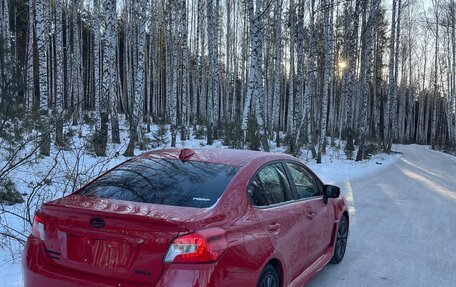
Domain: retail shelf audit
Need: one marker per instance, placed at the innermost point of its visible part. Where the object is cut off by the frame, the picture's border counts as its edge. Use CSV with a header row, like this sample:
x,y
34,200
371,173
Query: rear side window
x,y
270,186
164,181
303,180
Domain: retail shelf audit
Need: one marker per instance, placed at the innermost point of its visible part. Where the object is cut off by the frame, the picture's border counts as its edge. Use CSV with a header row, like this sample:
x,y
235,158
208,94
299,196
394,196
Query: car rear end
x,y
128,248
127,229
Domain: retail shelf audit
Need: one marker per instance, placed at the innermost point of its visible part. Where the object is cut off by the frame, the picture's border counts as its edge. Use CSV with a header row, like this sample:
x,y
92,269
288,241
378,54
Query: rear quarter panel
x,y
250,246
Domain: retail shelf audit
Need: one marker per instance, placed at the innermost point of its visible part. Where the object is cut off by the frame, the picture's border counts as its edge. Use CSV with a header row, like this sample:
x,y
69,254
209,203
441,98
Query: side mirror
x,y
330,191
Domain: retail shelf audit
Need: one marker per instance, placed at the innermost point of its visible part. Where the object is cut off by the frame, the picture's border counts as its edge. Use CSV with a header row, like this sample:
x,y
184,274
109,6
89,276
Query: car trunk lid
x,y
121,240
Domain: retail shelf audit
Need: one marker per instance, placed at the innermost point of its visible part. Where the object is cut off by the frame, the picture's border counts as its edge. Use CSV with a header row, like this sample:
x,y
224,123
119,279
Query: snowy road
x,y
403,225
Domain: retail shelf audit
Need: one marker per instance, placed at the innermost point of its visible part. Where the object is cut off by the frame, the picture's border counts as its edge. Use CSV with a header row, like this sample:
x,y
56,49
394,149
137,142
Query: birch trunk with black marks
x,y
436,69
327,66
138,96
298,99
391,82
368,42
42,41
58,113
97,53
255,89
275,122
29,76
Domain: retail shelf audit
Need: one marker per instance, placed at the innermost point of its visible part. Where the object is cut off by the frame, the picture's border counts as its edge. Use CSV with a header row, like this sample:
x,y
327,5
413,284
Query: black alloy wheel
x,y
269,277
341,241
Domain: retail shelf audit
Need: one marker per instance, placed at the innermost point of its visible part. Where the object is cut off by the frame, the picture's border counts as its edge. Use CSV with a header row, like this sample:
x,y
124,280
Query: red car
x,y
203,217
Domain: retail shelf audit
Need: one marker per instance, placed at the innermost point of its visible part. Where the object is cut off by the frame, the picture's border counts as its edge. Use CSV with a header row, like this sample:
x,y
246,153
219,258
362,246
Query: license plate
x,y
99,253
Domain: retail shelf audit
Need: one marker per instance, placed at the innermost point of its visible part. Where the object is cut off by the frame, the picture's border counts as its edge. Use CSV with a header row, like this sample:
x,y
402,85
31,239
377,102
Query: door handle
x,y
274,227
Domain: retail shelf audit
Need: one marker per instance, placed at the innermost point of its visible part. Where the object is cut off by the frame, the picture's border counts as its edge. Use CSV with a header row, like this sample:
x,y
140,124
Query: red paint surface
x,y
129,250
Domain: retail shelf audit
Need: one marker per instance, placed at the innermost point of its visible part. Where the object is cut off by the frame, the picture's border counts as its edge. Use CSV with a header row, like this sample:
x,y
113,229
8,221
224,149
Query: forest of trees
x,y
297,72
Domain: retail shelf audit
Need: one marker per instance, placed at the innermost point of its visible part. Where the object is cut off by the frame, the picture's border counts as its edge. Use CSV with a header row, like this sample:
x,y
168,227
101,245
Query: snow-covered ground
x,y
364,198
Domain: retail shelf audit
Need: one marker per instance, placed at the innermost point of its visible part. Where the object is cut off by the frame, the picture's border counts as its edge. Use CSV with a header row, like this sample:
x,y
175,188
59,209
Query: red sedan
x,y
203,217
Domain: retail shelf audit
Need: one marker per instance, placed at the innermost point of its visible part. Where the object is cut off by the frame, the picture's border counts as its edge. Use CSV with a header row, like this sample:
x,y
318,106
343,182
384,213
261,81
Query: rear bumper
x,y
37,272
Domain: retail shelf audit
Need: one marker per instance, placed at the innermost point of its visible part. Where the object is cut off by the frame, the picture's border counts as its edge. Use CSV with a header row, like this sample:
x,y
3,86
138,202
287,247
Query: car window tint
x,y
303,180
270,186
164,181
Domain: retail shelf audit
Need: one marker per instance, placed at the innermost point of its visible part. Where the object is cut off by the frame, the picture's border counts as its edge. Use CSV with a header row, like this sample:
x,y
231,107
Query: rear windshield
x,y
164,181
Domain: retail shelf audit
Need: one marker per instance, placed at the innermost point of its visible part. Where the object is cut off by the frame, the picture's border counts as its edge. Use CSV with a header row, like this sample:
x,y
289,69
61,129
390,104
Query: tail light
x,y
38,226
204,246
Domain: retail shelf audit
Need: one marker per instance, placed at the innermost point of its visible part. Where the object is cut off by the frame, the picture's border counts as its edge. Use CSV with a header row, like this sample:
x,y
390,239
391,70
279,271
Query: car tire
x,y
341,241
269,277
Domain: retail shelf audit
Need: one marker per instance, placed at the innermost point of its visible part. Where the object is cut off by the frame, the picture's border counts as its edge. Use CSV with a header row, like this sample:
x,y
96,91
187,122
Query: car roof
x,y
233,157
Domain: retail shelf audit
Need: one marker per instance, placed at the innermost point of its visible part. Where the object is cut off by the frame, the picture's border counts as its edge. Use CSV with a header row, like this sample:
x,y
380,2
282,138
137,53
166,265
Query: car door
x,y
275,205
320,216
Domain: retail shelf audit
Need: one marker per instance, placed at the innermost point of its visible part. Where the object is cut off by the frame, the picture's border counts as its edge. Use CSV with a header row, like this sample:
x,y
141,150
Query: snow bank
x,y
339,171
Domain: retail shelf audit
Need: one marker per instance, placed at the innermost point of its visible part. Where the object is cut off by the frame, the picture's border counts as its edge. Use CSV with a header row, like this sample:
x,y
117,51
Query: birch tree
x,y
326,7
291,77
255,90
185,113
214,76
211,88
58,113
109,93
452,99
368,43
297,115
110,41
436,72
29,76
310,79
5,34
394,125
350,54
275,124
96,55
138,96
42,40
76,59
174,31
391,77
